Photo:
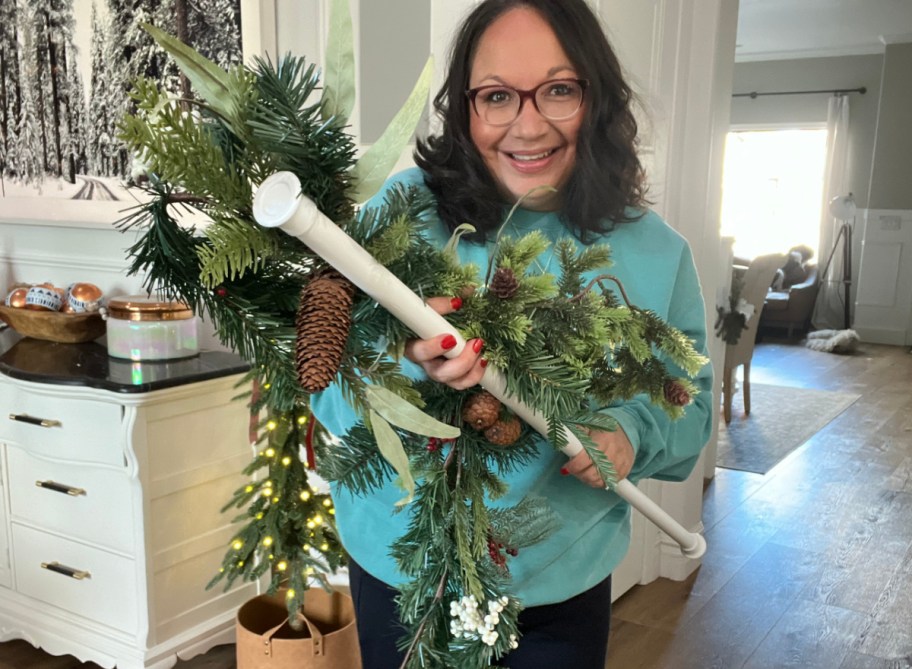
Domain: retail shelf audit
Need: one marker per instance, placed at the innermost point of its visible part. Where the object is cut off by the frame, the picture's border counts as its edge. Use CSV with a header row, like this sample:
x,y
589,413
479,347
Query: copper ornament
x,y
16,297
82,297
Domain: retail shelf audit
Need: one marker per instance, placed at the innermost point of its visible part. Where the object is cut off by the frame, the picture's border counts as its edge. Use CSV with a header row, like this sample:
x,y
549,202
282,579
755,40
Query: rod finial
x,y
276,199
697,549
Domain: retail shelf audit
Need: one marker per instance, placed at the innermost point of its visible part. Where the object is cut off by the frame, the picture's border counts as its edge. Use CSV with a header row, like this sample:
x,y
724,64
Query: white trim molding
x,y
883,302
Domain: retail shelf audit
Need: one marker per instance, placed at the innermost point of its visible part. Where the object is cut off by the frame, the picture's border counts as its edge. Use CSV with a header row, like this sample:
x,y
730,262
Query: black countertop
x,y
89,365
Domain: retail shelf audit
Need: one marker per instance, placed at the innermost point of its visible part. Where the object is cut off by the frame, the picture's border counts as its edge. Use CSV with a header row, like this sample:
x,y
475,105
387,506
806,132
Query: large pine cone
x,y
676,394
323,322
504,432
504,283
481,411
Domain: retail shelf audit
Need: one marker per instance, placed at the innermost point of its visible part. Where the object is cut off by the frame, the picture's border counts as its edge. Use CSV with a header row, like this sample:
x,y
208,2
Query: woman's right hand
x,y
461,372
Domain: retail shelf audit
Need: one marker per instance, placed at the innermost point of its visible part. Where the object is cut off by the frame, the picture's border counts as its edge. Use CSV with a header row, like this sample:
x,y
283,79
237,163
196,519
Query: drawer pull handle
x,y
58,568
31,420
59,487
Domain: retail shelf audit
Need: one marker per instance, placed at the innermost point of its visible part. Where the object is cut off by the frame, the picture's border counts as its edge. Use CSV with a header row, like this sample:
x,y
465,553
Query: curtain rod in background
x,y
837,91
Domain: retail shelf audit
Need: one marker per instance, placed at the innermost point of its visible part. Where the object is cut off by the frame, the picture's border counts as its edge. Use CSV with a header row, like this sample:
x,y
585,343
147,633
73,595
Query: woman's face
x,y
520,50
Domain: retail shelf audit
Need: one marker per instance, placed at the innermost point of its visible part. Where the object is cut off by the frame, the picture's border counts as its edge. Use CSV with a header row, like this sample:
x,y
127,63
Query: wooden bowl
x,y
53,325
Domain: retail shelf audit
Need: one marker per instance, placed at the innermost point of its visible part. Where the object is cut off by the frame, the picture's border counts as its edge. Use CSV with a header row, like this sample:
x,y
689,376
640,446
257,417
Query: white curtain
x,y
829,311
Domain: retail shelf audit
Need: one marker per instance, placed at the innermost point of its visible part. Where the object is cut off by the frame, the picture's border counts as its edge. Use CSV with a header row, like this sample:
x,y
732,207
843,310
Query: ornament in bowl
x,y
45,311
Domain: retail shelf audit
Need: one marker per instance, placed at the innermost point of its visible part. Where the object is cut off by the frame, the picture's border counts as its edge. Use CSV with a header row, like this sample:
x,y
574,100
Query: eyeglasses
x,y
556,100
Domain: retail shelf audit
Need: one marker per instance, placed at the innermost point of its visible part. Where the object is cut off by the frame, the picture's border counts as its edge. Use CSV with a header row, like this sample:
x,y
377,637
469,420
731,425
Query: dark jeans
x,y
573,633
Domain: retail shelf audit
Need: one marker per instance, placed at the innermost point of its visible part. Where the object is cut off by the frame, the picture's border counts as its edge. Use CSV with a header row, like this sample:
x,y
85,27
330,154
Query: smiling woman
x,y
524,148
537,138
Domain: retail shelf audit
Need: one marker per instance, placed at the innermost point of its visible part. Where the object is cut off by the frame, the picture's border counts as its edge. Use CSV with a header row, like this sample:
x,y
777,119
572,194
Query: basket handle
x,y
315,634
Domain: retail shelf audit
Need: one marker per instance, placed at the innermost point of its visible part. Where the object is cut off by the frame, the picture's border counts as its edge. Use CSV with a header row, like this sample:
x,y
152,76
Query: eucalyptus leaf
x,y
207,78
402,413
390,446
375,165
453,241
339,69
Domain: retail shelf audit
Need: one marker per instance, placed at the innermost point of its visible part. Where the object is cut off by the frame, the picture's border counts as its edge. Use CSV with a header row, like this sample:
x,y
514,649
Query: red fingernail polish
x,y
456,303
564,471
448,342
484,363
476,346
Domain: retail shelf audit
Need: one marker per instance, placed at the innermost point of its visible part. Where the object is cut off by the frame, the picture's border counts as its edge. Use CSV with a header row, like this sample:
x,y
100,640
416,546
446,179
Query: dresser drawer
x,y
85,502
106,594
61,428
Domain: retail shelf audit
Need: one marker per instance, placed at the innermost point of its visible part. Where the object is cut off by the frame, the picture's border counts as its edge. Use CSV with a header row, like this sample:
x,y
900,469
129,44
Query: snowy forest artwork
x,y
66,68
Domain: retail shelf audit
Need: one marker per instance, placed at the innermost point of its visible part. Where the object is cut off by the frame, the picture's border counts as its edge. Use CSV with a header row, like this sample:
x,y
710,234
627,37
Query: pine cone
x,y
504,432
676,394
322,323
481,411
504,284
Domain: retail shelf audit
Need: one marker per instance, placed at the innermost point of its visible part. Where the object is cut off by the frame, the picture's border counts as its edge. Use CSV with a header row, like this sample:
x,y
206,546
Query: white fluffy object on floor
x,y
833,341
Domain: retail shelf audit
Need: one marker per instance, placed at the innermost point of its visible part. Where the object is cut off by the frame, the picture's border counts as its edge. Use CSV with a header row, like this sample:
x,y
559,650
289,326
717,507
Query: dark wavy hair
x,y
607,177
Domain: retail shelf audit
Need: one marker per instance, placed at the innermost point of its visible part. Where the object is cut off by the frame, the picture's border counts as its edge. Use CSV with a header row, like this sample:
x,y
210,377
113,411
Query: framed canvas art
x,y
66,68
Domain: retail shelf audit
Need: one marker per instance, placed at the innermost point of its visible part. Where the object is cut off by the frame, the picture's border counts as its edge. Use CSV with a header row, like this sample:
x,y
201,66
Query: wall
x,y
883,306
891,174
390,67
815,74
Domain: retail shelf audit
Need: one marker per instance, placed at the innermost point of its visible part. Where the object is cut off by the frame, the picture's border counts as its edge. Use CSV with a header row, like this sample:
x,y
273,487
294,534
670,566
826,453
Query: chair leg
x,y
727,395
747,389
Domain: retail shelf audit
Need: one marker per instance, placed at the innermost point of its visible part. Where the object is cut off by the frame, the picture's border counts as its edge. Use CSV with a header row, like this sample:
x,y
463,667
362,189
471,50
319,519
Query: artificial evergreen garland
x,y
564,346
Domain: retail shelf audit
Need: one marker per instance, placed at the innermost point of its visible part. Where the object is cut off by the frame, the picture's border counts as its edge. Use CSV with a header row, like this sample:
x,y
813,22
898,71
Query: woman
x,y
535,108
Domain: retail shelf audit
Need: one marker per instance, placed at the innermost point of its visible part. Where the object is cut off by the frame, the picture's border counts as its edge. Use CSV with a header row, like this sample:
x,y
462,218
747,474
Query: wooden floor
x,y
809,565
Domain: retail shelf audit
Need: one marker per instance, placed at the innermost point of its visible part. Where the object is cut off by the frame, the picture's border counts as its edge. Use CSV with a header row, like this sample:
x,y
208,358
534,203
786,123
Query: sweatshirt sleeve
x,y
665,448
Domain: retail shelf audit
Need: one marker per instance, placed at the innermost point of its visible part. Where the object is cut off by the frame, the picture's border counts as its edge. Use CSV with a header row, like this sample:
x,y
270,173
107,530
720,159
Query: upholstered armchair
x,y
793,307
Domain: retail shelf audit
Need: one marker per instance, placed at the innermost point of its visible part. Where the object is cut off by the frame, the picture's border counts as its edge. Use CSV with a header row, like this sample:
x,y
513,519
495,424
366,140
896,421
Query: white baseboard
x,y
883,336
674,564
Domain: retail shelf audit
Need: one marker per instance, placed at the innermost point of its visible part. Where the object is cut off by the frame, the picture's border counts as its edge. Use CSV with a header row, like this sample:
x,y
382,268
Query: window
x,y
772,189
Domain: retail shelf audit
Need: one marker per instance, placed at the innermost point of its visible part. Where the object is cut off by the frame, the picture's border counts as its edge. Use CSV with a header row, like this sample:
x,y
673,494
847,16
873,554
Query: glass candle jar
x,y
147,328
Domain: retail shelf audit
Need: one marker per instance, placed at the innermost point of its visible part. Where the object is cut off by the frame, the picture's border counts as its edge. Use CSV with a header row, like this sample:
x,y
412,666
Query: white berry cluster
x,y
469,623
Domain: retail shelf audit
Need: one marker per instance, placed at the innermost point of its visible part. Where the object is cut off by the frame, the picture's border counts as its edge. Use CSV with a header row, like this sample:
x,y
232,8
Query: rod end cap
x,y
276,199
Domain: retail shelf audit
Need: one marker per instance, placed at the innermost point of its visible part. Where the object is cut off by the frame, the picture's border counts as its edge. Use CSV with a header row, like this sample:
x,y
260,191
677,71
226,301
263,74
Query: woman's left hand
x,y
616,447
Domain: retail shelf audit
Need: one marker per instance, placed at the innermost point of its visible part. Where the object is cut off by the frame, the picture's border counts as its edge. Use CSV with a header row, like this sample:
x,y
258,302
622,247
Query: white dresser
x,y
112,477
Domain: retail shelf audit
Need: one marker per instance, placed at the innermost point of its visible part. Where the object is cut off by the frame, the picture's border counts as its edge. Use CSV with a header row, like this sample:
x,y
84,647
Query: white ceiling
x,y
784,29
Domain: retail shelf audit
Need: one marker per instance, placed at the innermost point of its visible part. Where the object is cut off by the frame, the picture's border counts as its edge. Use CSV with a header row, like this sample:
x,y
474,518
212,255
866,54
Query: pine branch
x,y
181,149
356,464
234,248
296,137
526,524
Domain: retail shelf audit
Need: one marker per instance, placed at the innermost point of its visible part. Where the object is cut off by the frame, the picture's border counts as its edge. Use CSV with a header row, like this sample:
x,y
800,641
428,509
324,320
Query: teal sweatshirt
x,y
655,265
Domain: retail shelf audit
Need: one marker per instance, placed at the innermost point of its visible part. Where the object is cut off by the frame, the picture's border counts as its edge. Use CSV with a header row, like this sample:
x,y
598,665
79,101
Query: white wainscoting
x,y
69,251
66,252
883,303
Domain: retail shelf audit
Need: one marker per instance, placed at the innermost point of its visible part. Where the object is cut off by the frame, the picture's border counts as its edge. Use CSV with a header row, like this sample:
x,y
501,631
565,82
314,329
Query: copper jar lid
x,y
145,308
